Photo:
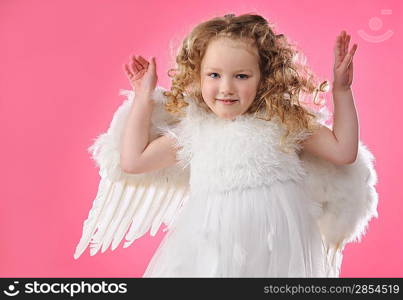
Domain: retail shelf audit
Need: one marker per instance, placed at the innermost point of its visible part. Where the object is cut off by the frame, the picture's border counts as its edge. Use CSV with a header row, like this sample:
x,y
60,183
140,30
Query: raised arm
x,y
339,145
138,155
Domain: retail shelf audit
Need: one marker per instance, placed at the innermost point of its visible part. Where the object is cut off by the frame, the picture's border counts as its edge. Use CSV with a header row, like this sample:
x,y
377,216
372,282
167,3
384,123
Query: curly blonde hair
x,y
283,77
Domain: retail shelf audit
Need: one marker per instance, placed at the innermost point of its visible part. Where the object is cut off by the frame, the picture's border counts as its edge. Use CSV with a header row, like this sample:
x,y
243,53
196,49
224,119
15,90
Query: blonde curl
x,y
284,77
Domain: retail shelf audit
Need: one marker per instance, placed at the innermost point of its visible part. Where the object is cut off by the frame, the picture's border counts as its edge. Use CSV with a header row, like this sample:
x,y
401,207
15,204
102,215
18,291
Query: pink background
x,y
60,75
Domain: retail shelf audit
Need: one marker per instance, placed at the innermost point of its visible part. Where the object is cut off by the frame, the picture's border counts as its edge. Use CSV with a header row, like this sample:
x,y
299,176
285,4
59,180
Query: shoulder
x,y
320,132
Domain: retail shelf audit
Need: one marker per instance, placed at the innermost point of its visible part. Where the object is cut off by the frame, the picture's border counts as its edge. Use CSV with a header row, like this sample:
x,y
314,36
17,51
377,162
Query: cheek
x,y
208,91
205,93
251,89
248,92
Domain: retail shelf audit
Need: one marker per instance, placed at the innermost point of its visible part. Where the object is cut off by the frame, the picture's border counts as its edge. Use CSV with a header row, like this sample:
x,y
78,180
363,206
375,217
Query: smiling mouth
x,y
227,101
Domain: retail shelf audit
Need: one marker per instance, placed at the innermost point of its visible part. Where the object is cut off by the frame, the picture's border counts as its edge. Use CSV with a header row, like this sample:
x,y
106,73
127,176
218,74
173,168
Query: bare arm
x,y
135,136
345,125
160,153
138,155
339,145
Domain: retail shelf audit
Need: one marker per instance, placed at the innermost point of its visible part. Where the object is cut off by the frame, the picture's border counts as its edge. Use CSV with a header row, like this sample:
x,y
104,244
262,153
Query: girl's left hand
x,y
343,62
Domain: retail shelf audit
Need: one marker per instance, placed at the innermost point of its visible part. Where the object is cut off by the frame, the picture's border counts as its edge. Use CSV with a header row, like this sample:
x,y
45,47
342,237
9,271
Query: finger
x,y
348,37
354,49
143,62
339,49
128,71
343,44
338,45
133,65
152,63
349,57
349,63
139,74
136,65
350,73
350,66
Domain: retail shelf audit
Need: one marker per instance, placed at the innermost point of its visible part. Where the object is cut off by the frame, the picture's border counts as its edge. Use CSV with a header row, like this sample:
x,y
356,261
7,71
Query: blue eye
x,y
245,76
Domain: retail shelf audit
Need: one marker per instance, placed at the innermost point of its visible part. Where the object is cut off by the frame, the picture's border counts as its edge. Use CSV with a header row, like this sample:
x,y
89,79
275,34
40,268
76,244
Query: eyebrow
x,y
240,70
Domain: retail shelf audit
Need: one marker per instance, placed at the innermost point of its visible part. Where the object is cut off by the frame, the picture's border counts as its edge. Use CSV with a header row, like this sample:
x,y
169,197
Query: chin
x,y
226,116
221,113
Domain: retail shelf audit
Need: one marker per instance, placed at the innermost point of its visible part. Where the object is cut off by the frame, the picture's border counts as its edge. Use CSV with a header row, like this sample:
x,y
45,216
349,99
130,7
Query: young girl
x,y
249,180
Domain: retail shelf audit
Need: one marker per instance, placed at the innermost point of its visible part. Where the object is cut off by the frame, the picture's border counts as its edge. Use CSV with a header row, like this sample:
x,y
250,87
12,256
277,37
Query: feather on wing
x,y
343,198
129,205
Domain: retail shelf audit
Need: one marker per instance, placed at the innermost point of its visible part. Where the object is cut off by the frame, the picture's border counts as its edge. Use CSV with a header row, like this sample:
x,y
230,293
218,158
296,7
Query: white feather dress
x,y
243,208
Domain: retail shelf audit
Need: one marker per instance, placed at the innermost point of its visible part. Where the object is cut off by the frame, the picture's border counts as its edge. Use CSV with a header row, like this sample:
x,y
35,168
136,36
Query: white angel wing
x,y
344,199
128,205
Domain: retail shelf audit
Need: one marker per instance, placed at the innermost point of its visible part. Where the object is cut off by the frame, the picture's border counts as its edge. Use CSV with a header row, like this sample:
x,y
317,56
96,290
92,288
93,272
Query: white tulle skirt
x,y
262,232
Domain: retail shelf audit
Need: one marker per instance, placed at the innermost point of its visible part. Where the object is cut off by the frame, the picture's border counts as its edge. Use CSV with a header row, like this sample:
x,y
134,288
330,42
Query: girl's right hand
x,y
142,75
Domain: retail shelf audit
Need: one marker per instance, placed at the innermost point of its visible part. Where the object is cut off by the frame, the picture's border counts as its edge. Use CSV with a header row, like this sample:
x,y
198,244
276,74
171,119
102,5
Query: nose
x,y
226,87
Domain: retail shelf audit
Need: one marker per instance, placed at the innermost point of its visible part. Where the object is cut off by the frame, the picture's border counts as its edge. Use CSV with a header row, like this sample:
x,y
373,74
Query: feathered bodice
x,y
222,155
234,154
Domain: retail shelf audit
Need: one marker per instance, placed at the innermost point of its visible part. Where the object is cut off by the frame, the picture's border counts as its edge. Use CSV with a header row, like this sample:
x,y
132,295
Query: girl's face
x,y
229,70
